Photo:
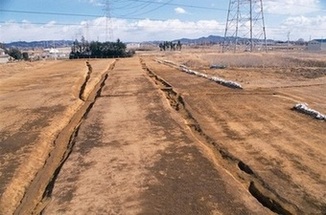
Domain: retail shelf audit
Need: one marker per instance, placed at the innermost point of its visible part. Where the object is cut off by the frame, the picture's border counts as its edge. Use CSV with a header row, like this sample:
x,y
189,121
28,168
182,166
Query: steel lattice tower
x,y
108,22
245,26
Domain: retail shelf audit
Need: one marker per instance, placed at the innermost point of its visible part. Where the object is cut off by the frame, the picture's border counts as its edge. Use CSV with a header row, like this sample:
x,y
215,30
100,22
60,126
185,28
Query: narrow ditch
x,y
241,171
266,201
48,191
83,86
39,192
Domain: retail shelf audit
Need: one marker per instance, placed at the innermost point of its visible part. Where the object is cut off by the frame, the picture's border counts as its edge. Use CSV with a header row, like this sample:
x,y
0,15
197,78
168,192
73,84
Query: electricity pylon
x,y
245,26
108,21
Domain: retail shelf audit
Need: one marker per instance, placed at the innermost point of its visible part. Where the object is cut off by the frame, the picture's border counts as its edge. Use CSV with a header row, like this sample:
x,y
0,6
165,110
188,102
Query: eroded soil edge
x,y
266,195
38,193
83,87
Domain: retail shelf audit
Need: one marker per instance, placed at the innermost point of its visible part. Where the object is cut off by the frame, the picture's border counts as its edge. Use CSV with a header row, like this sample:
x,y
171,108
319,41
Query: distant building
x,y
2,52
317,45
133,46
58,53
4,58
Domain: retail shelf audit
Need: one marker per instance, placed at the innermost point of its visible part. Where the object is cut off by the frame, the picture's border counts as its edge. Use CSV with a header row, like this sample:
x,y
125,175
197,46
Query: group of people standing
x,y
166,46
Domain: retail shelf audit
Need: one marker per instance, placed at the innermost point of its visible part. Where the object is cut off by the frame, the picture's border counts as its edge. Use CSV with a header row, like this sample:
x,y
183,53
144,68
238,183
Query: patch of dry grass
x,y
286,59
266,60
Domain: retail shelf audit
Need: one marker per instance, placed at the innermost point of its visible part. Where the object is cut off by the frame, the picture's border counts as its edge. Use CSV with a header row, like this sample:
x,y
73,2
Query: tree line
x,y
166,46
15,53
95,49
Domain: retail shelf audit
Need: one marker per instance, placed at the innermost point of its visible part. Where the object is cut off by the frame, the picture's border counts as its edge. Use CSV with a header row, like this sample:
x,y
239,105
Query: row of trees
x,y
15,53
166,46
95,49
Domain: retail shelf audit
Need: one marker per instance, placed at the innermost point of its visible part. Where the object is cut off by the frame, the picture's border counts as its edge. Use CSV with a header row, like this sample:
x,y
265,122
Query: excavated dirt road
x,y
134,155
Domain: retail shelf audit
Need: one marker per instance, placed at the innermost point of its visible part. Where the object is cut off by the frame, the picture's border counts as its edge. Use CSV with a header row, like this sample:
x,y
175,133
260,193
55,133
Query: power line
x,y
50,13
42,23
214,8
125,16
154,9
130,6
147,2
136,9
95,15
181,5
47,24
87,24
69,14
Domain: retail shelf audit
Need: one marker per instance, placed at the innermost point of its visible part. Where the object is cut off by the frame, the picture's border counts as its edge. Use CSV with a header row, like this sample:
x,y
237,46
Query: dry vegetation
x,y
256,69
252,60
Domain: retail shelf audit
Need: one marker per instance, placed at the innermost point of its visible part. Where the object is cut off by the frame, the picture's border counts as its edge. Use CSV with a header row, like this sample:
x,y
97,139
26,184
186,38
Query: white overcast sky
x,y
148,20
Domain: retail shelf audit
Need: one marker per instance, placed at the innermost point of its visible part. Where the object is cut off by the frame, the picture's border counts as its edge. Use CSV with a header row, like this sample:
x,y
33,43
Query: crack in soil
x,y
88,76
266,201
242,172
39,192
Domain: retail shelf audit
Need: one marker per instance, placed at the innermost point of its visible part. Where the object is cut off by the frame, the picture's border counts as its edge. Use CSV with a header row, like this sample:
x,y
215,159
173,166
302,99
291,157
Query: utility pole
x,y
288,36
87,32
245,25
250,19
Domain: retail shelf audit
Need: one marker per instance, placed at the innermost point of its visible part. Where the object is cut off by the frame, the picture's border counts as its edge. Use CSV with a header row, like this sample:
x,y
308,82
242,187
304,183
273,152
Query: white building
x,y
4,58
317,45
58,53
133,46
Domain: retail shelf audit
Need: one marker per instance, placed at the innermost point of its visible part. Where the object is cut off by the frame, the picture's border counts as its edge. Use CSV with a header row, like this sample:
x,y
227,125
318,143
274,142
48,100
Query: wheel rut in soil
x,y
256,186
38,194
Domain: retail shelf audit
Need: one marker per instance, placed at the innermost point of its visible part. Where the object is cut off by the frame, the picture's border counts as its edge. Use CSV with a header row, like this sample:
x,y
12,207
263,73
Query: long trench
x,y
37,194
241,171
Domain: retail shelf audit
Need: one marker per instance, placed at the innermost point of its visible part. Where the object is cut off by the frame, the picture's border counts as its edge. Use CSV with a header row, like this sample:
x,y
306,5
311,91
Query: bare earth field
x,y
135,136
37,102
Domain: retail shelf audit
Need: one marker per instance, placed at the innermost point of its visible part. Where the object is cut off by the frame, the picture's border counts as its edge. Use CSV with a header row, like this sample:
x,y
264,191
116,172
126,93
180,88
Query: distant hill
x,y
40,44
216,40
202,40
212,39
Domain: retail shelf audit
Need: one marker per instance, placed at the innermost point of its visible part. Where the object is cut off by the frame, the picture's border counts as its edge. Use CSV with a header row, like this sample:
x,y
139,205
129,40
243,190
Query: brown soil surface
x,y
134,155
285,149
37,101
142,137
